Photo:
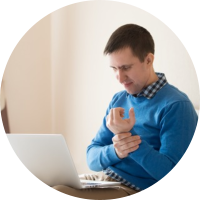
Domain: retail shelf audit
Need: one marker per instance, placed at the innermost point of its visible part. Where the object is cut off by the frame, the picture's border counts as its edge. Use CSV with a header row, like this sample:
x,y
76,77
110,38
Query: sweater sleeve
x,y
178,125
101,152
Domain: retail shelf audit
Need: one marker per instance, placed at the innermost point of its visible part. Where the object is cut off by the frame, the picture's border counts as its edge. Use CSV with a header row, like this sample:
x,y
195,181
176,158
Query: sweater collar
x,y
150,91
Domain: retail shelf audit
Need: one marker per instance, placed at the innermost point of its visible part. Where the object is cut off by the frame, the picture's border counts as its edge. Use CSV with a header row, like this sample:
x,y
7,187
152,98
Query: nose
x,y
121,76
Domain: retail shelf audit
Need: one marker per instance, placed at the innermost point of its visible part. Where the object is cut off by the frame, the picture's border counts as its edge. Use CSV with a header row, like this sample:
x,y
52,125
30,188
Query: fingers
x,y
118,113
125,137
131,113
120,137
125,143
109,118
116,123
124,154
115,114
132,116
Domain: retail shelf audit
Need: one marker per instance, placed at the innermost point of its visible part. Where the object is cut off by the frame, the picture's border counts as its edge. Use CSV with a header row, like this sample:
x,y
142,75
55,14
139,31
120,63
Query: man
x,y
147,127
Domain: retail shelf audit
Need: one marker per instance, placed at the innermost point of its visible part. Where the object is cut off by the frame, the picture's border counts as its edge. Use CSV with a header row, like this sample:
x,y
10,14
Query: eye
x,y
125,68
114,69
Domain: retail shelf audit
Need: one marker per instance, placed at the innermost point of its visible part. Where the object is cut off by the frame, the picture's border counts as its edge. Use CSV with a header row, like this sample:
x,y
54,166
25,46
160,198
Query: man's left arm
x,y
177,127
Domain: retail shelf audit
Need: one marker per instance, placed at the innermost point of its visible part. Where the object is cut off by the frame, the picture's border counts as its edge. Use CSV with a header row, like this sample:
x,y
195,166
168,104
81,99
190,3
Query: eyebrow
x,y
122,66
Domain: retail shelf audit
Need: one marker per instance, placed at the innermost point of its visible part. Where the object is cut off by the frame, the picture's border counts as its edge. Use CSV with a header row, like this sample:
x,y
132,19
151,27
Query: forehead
x,y
122,57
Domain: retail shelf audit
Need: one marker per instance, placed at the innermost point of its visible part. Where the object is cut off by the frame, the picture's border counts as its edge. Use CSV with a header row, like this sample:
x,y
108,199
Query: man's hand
x,y
116,124
125,143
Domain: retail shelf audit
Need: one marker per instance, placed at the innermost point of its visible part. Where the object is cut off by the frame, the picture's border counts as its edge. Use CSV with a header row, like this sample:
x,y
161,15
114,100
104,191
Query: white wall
x,y
57,79
27,82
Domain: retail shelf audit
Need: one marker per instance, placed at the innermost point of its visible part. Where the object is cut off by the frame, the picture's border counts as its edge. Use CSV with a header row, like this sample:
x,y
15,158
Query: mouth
x,y
126,85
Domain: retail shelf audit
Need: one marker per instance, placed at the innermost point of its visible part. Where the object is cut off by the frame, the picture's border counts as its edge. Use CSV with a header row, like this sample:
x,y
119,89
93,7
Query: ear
x,y
149,59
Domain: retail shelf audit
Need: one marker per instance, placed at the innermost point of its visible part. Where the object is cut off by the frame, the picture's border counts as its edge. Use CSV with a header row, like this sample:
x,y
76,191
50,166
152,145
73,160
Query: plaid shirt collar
x,y
150,91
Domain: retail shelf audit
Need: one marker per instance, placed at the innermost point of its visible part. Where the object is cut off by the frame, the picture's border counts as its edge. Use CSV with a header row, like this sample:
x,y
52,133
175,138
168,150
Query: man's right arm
x,y
101,152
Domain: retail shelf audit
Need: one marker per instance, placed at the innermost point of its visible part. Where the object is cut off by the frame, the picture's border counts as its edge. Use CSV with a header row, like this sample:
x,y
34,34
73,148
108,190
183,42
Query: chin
x,y
132,92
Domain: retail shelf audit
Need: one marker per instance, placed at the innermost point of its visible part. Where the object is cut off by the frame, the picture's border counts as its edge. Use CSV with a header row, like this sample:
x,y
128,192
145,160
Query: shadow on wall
x,y
4,113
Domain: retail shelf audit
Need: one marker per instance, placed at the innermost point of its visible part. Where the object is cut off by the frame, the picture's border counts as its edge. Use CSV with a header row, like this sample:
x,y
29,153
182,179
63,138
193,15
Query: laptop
x,y
48,158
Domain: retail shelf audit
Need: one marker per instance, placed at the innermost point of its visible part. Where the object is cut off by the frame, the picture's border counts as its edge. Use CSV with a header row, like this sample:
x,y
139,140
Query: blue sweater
x,y
166,124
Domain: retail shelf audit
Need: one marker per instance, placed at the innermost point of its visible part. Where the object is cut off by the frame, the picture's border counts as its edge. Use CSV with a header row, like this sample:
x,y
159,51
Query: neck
x,y
152,78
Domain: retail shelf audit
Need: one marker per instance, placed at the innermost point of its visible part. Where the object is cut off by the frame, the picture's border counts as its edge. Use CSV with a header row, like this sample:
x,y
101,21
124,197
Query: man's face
x,y
133,74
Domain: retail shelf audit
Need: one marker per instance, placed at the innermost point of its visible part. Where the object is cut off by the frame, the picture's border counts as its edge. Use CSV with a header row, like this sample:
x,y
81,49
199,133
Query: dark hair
x,y
131,35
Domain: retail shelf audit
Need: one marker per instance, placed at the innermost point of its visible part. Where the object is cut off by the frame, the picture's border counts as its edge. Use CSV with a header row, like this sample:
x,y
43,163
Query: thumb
x,y
132,115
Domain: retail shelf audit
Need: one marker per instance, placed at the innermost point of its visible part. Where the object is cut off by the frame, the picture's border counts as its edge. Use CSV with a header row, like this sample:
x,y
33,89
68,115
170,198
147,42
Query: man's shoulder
x,y
119,95
172,94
